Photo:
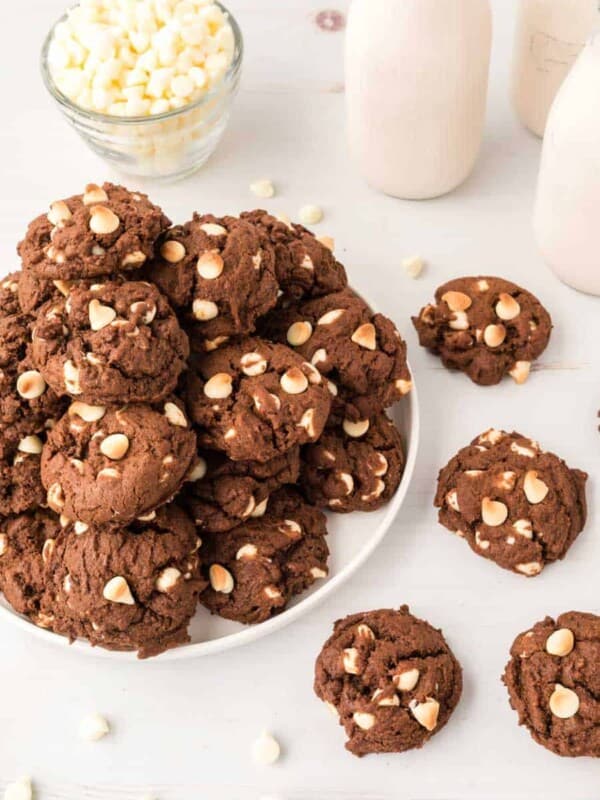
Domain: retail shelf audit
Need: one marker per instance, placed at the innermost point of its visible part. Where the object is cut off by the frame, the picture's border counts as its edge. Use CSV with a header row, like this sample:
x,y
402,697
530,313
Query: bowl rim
x,y
71,108
253,633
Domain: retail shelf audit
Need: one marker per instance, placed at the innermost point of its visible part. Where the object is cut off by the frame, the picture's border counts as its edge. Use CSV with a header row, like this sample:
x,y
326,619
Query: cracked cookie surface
x,y
103,465
485,327
514,503
255,400
553,680
390,678
114,342
106,230
130,588
353,467
255,569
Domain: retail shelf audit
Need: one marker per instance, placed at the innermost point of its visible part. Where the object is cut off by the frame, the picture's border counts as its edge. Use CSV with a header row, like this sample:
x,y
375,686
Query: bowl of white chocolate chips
x,y
148,85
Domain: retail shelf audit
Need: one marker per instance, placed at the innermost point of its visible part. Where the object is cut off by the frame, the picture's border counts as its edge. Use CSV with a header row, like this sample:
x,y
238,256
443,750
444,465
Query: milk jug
x,y
566,216
549,36
416,88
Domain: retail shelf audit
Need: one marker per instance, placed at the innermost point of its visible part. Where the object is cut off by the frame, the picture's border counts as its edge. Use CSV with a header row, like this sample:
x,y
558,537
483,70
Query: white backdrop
x,y
185,730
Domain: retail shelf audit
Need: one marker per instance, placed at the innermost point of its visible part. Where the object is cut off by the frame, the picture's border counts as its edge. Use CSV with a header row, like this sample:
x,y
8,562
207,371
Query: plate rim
x,y
253,633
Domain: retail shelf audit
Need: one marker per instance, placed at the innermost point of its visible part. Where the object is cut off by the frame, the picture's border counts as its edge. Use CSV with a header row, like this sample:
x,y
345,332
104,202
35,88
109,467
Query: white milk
x,y
567,209
550,35
416,87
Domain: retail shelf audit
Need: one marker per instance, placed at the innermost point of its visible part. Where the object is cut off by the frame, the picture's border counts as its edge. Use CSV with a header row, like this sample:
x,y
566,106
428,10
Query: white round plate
x,y
350,540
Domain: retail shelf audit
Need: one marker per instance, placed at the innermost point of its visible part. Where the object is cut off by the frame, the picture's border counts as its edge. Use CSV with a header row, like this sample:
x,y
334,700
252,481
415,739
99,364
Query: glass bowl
x,y
165,146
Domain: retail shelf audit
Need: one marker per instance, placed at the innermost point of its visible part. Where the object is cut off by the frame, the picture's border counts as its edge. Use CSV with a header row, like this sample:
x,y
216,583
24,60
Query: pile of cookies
x,y
177,405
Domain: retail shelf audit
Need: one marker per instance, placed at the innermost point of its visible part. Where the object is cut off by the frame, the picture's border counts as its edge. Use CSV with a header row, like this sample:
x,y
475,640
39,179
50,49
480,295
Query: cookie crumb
x,y
413,266
93,727
266,749
19,790
263,187
311,215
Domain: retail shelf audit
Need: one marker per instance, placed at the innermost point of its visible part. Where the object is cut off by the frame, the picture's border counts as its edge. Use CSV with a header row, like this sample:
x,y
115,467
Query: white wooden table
x,y
185,730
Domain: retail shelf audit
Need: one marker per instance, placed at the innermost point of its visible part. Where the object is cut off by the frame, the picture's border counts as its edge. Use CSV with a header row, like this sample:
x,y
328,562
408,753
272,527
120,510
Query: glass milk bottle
x,y
566,216
416,88
549,36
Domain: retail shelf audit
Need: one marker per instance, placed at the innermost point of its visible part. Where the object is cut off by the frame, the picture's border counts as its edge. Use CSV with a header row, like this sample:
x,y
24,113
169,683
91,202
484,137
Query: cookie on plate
x,y
255,400
106,230
220,493
361,354
114,342
353,466
256,568
514,503
130,588
305,266
553,680
219,273
486,327
390,678
26,544
102,465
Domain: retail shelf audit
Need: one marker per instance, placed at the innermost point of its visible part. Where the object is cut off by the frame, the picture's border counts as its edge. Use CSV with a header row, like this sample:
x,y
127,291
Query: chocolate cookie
x,y
117,342
514,503
133,588
219,272
553,679
256,568
20,479
102,465
353,467
362,354
305,266
256,400
485,327
104,231
390,678
221,493
26,544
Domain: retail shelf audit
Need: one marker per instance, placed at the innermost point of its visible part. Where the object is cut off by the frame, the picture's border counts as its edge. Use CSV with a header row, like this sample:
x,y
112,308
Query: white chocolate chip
x,y
426,713
210,265
311,215
221,579
294,381
348,481
506,481
494,335
493,512
560,643
356,429
59,213
365,336
103,220
520,371
100,315
564,702
172,251
263,188
457,301
403,386
413,266
86,412
535,489
319,356
407,680
167,579
205,310
71,376
307,263
80,527
219,387
117,591
246,552
308,422
3,543
459,321
377,492
93,727
115,446
30,385
198,471
149,308
350,660
266,750
364,720
330,316
382,465
272,592
56,497
175,415
327,241
94,194
212,229
299,333
383,700
492,436
48,550
317,573
482,544
507,307
530,569
364,632
253,364
260,509
452,500
30,444
524,528
133,259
